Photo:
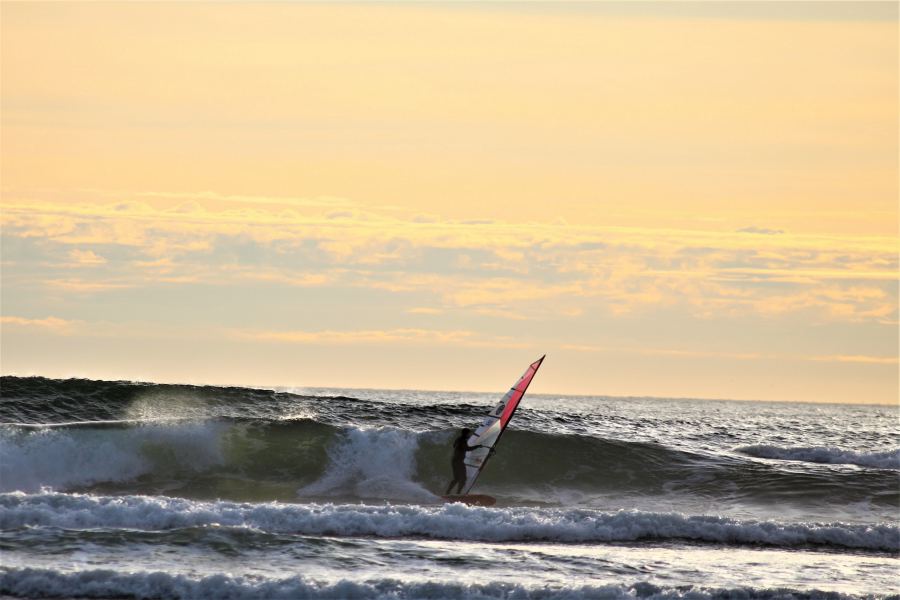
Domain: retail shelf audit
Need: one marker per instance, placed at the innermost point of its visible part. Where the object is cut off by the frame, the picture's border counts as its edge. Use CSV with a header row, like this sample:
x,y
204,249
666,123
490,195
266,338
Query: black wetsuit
x,y
460,447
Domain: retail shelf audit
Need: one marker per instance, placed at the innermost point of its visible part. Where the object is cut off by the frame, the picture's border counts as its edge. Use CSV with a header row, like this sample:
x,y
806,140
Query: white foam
x,y
104,583
445,521
371,463
889,459
36,458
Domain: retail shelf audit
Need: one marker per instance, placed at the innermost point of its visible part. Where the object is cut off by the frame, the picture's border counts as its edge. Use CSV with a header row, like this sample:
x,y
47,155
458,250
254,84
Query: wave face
x,y
106,583
281,460
446,521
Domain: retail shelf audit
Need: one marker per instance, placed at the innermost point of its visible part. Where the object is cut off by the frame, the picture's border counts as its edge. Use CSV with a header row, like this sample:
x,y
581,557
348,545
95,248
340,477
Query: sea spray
x,y
371,463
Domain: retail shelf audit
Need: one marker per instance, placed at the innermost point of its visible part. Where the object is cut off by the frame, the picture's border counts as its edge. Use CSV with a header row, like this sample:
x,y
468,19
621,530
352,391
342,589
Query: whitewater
x,y
142,490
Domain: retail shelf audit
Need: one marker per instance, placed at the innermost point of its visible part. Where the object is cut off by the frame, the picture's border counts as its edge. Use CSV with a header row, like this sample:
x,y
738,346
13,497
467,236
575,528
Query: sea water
x,y
139,490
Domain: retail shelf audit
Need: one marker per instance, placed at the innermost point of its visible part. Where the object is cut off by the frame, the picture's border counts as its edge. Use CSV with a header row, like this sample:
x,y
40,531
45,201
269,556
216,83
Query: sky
x,y
668,199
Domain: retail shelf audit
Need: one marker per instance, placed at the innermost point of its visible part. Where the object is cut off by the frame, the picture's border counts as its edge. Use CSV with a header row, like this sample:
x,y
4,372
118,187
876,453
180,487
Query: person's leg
x,y
459,472
459,476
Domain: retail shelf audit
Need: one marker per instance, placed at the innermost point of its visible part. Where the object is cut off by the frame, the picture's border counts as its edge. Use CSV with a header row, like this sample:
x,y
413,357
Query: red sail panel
x,y
518,391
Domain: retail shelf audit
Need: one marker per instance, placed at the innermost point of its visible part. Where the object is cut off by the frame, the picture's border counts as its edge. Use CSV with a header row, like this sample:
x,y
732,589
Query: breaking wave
x,y
261,460
62,458
106,583
443,521
820,454
205,442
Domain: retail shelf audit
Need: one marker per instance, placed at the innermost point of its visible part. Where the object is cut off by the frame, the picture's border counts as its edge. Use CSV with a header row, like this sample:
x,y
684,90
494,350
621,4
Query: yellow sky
x,y
668,199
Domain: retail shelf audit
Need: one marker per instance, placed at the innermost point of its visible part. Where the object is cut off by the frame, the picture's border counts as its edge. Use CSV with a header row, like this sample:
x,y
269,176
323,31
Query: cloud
x,y
505,291
319,201
761,230
425,310
708,354
86,257
48,324
428,337
857,358
476,265
806,275
85,286
674,352
340,214
273,276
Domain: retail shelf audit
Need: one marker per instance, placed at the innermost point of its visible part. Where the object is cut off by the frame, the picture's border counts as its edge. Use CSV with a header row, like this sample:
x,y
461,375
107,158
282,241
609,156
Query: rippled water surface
x,y
120,489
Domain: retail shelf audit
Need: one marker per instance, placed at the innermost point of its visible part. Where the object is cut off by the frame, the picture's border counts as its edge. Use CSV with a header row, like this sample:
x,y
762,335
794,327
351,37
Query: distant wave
x,y
42,401
444,521
106,583
889,459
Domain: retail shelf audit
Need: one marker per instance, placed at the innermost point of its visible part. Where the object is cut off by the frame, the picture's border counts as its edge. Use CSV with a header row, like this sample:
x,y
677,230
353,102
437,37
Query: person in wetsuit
x,y
460,447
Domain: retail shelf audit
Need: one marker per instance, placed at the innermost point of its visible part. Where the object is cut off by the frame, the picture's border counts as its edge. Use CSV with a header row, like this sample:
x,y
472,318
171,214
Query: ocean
x,y
142,490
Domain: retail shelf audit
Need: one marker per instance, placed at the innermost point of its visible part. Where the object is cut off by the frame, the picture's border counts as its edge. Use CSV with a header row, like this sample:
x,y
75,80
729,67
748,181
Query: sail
x,y
493,426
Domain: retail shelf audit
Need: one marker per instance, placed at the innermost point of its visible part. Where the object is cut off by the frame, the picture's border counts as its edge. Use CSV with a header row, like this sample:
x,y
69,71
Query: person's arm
x,y
490,449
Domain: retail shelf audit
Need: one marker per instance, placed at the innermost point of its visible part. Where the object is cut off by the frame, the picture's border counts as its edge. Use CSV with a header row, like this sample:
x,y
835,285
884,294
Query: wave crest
x,y
446,521
106,583
889,459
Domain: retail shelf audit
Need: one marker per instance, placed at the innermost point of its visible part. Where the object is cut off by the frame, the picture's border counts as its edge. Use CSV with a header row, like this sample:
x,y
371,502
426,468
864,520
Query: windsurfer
x,y
460,447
